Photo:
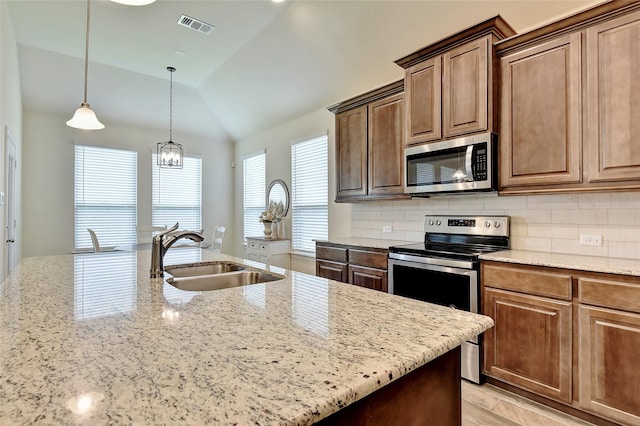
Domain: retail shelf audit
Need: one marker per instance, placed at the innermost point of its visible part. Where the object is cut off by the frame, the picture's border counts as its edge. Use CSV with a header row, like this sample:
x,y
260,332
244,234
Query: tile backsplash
x,y
549,223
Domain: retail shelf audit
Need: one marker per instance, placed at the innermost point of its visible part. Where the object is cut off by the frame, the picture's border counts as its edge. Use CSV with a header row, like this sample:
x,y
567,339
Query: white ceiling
x,y
264,63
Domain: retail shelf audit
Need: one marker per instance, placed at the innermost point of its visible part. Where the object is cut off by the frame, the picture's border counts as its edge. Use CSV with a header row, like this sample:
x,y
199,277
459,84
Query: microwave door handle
x,y
469,162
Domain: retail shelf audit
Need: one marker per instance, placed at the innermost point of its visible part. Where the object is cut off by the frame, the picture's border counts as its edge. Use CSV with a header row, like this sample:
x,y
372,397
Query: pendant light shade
x,y
170,153
84,117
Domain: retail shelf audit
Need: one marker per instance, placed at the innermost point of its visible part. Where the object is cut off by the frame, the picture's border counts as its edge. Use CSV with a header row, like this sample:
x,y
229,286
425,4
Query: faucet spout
x,y
160,245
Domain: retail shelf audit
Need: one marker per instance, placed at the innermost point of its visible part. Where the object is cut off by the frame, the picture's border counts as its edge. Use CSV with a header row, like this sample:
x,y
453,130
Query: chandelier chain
x,y
171,70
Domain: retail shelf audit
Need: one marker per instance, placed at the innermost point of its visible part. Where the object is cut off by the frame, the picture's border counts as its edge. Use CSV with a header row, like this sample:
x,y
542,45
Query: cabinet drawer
x,y
263,248
335,254
332,270
609,293
367,258
522,279
252,246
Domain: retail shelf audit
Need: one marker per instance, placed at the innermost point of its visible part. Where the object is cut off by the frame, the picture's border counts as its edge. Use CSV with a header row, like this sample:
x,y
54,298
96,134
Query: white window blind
x,y
310,193
177,194
254,171
105,195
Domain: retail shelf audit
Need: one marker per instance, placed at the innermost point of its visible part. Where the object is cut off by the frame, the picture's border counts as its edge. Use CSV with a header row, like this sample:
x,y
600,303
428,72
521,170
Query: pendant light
x,y
84,117
170,153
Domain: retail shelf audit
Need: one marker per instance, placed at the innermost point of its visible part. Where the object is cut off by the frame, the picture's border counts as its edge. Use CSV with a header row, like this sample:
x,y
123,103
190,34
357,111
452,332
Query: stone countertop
x,y
567,261
90,339
364,242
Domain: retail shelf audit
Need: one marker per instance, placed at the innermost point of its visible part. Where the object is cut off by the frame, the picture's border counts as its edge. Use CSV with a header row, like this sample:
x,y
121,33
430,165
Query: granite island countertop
x,y
90,339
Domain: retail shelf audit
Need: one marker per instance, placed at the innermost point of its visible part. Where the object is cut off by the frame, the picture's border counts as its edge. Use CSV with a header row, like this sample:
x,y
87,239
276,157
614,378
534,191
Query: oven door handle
x,y
433,261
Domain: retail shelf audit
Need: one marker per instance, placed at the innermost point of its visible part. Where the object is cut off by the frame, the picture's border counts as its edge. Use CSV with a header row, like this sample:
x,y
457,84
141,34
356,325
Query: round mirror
x,y
278,198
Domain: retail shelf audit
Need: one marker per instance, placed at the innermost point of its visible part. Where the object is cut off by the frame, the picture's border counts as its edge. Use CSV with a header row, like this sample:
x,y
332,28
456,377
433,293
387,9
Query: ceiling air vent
x,y
194,24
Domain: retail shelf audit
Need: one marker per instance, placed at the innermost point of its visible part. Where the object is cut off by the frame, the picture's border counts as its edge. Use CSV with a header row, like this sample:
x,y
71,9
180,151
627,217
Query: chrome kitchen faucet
x,y
160,245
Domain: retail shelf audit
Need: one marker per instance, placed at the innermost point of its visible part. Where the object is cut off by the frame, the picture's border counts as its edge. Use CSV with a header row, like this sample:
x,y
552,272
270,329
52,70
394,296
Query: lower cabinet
x,y
565,335
361,266
609,374
269,252
530,345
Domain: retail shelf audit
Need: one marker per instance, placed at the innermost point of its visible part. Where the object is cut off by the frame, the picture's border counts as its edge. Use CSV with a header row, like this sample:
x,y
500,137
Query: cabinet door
x,y
375,279
530,345
609,376
613,99
423,92
540,135
465,88
386,146
351,152
332,270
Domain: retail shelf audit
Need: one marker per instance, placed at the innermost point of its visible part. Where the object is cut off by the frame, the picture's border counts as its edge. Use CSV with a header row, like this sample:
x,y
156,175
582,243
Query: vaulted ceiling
x,y
263,64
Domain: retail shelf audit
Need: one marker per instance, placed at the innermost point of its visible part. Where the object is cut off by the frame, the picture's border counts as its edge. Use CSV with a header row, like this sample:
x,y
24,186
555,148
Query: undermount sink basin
x,y
221,280
202,268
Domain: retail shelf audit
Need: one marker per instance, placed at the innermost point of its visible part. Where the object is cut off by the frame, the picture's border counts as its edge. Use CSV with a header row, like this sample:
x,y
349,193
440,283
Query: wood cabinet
x,y
423,93
613,99
361,266
609,329
449,84
568,96
369,145
565,335
465,84
530,345
541,101
351,152
269,252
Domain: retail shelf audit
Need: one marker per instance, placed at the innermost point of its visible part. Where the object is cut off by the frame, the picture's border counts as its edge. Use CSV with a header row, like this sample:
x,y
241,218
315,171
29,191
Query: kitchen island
x,y
90,339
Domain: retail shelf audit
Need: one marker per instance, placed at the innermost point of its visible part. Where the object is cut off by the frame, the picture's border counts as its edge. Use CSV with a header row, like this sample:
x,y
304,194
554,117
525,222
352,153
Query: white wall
x,y
49,167
277,142
11,117
548,223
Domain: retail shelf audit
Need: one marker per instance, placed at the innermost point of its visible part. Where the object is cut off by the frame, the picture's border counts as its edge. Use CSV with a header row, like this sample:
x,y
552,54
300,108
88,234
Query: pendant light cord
x,y
86,52
171,71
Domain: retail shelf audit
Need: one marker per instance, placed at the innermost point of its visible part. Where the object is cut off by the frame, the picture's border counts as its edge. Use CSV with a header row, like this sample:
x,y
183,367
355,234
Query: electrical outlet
x,y
386,228
590,240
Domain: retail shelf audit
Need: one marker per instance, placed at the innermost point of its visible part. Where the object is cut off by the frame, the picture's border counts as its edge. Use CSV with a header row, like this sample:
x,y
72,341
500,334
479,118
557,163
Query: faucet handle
x,y
161,235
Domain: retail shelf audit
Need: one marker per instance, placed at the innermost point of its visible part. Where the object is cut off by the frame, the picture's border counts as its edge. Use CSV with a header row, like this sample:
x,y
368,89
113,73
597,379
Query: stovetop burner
x,y
460,237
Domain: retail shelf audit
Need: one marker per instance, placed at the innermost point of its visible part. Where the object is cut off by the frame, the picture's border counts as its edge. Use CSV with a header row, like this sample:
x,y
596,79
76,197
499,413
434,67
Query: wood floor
x,y
488,405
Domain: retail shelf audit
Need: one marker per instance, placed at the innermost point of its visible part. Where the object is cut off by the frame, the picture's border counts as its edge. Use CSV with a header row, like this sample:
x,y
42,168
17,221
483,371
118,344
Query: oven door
x,y
420,278
448,285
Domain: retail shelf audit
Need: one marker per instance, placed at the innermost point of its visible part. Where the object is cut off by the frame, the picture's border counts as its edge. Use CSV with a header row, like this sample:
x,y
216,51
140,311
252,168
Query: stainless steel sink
x,y
221,280
202,268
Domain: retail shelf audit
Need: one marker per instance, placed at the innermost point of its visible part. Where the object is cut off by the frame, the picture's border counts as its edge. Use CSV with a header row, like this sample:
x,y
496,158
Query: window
x,y
177,194
254,193
105,195
310,193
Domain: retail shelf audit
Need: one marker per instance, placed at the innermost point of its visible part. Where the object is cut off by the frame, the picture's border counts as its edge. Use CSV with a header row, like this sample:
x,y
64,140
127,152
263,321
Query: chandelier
x,y
170,153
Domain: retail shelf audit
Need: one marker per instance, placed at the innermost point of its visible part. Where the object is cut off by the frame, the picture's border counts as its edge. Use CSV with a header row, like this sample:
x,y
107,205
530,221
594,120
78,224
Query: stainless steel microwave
x,y
455,165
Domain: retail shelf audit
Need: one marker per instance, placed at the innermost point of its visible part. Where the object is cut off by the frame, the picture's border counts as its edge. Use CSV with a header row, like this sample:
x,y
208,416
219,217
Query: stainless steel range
x,y
445,268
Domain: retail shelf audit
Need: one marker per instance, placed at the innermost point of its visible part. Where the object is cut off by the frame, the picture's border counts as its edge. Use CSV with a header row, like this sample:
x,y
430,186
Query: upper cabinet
x,y
570,103
369,145
449,85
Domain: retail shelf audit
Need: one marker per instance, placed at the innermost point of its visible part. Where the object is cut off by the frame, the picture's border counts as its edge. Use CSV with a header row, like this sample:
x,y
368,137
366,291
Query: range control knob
x,y
487,224
438,222
431,222
497,224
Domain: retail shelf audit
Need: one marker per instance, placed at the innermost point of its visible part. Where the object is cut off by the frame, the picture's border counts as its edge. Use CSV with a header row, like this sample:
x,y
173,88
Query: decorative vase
x,y
267,229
